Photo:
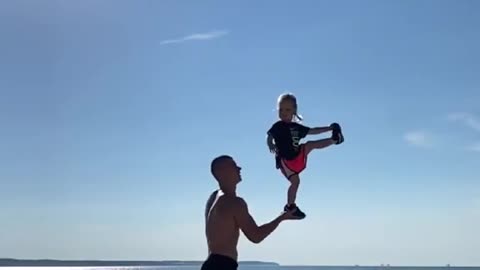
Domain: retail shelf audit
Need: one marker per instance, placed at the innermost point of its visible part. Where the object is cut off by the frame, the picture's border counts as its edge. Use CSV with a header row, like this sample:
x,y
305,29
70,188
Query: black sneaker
x,y
337,135
297,213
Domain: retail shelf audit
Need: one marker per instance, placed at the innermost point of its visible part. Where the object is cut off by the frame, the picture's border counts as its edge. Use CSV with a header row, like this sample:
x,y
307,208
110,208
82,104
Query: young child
x,y
283,139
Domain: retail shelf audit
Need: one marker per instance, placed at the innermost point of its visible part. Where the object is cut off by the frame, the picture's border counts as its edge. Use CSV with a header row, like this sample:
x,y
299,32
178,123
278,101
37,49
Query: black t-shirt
x,y
287,137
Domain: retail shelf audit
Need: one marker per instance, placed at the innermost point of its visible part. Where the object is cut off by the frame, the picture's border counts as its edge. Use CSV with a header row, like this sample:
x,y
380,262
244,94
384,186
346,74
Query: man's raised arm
x,y
249,227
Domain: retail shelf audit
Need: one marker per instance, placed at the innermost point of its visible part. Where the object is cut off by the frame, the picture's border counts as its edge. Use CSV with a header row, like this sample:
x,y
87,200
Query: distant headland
x,y
91,263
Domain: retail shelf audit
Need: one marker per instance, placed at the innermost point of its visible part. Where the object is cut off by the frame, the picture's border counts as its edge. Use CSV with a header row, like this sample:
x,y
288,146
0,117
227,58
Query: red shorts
x,y
294,166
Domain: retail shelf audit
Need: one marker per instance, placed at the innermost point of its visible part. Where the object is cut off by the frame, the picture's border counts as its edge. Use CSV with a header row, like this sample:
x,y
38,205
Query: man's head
x,y
226,171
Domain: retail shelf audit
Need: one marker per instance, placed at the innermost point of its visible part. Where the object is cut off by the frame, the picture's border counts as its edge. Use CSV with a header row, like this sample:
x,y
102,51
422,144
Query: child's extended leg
x,y
337,138
318,144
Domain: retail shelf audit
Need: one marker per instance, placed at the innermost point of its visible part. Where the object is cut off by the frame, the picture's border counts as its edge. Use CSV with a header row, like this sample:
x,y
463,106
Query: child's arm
x,y
319,130
270,143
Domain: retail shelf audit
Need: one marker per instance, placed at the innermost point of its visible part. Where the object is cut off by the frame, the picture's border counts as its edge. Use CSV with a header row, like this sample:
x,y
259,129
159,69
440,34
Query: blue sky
x,y
111,112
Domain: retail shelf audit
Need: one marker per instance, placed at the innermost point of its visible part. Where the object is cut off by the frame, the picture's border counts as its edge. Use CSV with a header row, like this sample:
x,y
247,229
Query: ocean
x,y
245,267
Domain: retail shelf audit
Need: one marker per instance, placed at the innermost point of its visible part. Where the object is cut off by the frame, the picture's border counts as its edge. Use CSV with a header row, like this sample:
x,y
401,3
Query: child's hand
x,y
335,126
337,135
272,147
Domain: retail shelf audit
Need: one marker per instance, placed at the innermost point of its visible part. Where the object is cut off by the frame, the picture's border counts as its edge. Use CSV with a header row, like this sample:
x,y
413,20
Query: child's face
x,y
286,110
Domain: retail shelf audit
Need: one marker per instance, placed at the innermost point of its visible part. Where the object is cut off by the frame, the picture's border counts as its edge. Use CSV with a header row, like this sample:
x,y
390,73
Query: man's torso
x,y
221,230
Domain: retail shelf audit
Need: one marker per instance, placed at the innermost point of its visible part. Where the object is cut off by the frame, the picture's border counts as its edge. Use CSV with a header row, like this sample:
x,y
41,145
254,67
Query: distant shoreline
x,y
94,263
8,262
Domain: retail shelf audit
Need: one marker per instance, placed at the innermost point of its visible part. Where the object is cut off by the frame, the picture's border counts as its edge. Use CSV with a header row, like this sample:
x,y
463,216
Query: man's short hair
x,y
216,162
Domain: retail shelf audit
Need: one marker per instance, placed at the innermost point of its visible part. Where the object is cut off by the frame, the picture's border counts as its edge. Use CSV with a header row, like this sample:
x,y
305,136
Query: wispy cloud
x,y
196,36
423,138
419,138
467,119
470,121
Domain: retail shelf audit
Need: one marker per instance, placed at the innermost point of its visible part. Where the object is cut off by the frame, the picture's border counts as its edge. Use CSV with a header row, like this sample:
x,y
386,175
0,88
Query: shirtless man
x,y
226,214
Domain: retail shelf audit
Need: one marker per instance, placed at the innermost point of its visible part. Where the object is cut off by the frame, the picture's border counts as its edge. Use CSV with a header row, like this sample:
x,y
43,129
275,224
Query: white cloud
x,y
418,138
467,119
196,36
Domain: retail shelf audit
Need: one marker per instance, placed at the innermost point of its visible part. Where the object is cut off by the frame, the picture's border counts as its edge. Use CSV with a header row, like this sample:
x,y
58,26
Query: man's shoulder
x,y
234,201
231,198
231,205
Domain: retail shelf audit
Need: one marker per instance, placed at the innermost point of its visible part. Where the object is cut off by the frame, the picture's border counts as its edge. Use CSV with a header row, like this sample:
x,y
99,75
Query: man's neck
x,y
228,191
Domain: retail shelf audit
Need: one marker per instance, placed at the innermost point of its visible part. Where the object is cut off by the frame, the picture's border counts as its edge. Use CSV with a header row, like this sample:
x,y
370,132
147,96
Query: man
x,y
226,214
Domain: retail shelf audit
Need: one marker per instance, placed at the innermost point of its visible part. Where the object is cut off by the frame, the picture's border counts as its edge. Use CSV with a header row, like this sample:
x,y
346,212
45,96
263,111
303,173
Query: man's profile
x,y
226,214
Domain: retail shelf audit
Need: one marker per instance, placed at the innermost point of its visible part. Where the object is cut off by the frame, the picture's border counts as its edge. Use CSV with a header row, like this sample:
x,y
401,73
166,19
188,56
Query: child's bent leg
x,y
292,190
318,144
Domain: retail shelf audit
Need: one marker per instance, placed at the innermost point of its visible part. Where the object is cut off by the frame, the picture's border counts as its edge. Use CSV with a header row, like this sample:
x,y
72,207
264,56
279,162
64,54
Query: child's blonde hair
x,y
291,97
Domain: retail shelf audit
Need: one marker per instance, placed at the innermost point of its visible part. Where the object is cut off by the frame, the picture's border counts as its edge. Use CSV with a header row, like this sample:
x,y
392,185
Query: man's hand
x,y
288,215
249,227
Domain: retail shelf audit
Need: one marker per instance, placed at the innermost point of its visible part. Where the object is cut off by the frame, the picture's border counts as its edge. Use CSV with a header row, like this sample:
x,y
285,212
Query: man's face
x,y
232,171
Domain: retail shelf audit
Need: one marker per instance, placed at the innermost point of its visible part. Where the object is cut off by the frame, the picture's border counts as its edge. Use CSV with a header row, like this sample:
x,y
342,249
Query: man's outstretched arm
x,y
249,227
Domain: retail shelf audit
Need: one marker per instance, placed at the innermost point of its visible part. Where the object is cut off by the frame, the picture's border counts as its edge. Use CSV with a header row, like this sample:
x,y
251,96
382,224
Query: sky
x,y
111,112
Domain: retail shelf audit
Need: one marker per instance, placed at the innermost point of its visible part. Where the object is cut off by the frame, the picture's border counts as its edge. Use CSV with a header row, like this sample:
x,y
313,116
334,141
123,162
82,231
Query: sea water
x,y
244,267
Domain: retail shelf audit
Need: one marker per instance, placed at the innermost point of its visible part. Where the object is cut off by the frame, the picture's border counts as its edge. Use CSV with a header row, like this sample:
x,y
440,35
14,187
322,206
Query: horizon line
x,y
256,261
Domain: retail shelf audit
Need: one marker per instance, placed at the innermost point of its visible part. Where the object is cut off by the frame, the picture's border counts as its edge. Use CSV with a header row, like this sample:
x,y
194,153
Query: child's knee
x,y
309,145
294,180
